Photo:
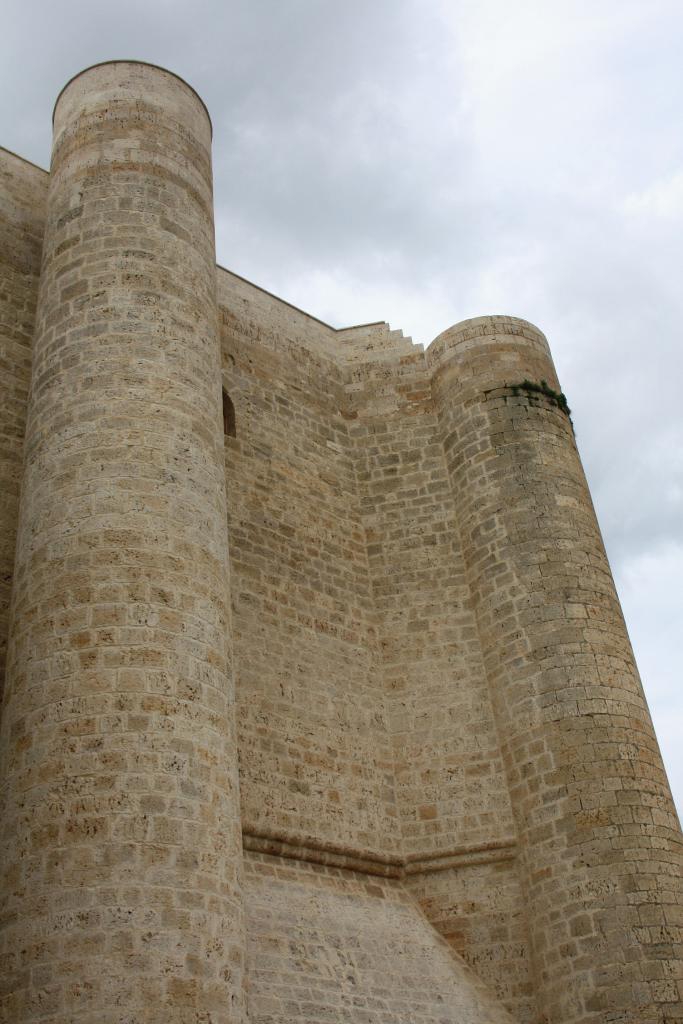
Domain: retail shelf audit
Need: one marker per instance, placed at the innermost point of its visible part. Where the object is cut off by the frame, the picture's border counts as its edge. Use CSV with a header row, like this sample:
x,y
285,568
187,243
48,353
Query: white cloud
x,y
662,199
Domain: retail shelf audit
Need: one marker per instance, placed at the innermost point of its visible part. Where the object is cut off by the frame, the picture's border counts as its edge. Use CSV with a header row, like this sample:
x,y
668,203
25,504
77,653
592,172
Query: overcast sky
x,y
424,161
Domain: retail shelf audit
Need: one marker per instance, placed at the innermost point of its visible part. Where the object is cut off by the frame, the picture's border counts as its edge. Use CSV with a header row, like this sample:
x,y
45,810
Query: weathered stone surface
x,y
599,838
450,794
120,800
23,190
328,945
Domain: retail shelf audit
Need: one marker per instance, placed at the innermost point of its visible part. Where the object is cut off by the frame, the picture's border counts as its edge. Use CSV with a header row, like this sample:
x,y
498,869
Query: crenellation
x,y
319,705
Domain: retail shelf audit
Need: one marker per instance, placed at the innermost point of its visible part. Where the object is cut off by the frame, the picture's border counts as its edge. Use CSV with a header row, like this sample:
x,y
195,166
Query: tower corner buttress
x,y
122,840
598,831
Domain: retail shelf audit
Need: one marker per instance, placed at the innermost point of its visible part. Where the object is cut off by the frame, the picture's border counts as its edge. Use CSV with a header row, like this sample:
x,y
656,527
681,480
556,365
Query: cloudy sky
x,y
424,161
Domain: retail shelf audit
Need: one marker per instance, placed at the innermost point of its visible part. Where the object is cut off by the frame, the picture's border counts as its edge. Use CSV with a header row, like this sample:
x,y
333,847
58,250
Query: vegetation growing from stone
x,y
558,398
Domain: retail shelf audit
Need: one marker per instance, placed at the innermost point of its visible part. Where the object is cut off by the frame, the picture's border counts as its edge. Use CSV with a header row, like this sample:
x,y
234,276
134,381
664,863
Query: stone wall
x,y
329,945
450,794
120,844
600,843
451,788
23,192
479,908
315,755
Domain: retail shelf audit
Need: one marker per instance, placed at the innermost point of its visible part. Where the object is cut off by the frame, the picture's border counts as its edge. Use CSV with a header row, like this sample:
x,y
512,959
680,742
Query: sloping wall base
x,y
326,945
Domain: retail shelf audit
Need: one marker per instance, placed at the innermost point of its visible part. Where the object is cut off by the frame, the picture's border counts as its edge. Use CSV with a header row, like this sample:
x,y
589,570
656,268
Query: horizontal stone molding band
x,y
294,848
464,856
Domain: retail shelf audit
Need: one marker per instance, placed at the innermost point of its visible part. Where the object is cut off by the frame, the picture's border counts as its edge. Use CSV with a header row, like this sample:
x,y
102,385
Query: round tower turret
x,y
599,838
121,859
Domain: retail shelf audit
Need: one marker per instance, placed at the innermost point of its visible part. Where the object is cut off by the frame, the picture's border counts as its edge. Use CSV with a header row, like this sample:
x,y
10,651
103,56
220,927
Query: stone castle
x,y
319,703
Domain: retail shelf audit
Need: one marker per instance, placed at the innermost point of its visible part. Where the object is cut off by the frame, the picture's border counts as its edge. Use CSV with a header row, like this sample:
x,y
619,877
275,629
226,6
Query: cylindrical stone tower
x,y
599,838
120,870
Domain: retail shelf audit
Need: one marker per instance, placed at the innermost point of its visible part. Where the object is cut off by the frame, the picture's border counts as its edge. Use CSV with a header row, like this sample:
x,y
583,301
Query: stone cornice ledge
x,y
279,844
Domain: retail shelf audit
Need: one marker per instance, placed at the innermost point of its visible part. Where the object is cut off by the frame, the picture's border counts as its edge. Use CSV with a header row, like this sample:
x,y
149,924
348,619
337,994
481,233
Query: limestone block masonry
x,y
319,703
120,799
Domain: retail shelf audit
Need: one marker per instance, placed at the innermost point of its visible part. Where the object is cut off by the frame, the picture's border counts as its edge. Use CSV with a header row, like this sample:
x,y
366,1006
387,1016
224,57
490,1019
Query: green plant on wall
x,y
558,398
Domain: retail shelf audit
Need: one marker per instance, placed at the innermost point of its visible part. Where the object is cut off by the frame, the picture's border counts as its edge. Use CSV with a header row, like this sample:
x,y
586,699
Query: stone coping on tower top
x,y
141,63
469,332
